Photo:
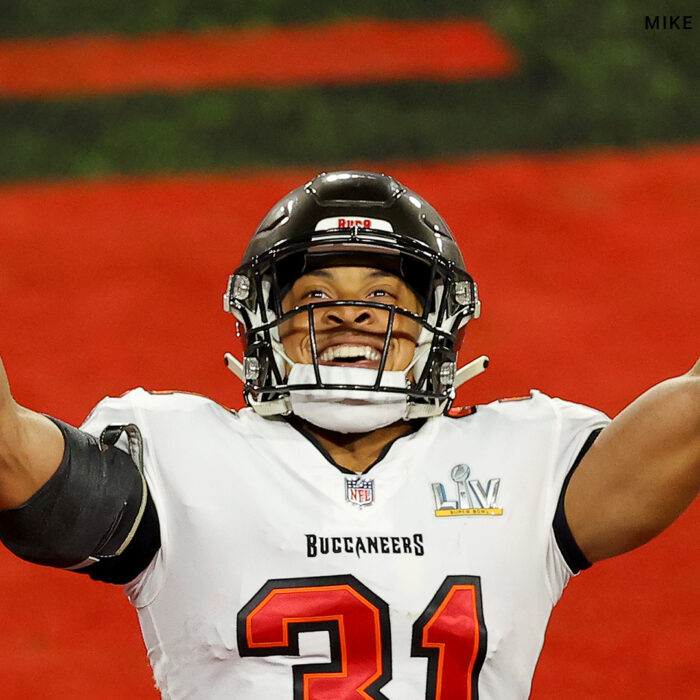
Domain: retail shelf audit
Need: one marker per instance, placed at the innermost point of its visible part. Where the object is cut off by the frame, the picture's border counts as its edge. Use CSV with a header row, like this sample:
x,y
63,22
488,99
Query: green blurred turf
x,y
590,75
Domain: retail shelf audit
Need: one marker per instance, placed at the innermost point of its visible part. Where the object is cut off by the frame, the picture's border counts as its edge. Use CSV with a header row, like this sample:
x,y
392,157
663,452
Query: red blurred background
x,y
587,266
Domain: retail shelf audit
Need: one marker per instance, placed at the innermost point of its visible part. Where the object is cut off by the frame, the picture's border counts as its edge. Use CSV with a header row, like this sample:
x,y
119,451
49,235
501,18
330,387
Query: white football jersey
x,y
283,577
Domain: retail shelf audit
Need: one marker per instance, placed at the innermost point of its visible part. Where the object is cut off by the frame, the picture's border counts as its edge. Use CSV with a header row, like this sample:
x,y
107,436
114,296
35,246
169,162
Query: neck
x,y
355,451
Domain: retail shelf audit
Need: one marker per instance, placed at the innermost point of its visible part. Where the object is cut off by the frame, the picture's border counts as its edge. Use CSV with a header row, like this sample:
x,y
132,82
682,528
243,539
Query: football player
x,y
346,536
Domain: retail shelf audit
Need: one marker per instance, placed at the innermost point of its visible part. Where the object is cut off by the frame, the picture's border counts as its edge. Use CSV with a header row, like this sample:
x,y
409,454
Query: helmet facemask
x,y
257,288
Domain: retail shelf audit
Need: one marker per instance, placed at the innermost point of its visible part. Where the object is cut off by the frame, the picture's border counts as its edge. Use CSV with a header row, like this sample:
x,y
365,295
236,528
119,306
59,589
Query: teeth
x,y
335,351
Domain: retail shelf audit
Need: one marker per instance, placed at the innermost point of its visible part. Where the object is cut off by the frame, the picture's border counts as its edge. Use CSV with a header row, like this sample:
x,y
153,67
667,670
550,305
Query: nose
x,y
347,316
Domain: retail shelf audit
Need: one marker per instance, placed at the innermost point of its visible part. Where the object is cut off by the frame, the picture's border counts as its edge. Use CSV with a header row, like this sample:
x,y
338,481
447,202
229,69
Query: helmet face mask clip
x,y
361,220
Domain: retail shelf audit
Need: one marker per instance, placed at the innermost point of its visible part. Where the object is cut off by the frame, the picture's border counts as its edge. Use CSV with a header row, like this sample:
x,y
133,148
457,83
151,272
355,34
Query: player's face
x,y
351,336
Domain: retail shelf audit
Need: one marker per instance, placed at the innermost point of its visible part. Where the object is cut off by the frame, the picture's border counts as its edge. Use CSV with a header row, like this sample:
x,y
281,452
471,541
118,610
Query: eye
x,y
315,294
380,293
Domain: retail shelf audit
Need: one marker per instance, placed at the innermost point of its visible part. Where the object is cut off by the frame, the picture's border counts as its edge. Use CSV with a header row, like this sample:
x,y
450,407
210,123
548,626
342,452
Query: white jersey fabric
x,y
434,575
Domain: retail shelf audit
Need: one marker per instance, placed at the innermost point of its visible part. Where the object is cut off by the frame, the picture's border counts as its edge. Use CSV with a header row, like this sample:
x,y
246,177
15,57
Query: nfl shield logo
x,y
359,490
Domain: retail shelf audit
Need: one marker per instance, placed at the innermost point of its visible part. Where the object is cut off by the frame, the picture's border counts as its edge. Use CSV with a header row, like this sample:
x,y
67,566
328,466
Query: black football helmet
x,y
362,219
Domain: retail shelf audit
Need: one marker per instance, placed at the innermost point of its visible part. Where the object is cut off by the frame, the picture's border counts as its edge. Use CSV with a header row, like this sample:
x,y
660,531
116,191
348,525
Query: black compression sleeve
x,y
87,509
137,555
574,557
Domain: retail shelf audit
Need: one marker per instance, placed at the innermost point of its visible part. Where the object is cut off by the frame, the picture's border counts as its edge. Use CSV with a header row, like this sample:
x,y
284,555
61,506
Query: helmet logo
x,y
350,221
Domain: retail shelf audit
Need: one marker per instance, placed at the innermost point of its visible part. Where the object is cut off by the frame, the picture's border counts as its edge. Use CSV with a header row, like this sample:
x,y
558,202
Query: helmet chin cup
x,y
284,406
339,405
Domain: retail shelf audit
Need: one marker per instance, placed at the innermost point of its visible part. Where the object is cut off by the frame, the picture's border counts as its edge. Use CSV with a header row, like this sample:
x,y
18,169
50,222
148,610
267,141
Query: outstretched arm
x,y
31,448
68,503
641,473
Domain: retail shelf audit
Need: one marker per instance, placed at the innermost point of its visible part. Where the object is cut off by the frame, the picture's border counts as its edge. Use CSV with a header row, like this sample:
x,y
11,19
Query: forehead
x,y
350,275
350,281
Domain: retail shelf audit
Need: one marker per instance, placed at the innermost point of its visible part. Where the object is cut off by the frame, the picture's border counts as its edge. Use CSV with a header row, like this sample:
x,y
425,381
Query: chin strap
x,y
276,407
425,410
471,370
428,410
235,365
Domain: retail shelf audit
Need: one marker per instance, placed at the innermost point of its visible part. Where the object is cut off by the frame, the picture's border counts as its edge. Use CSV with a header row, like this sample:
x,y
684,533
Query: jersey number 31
x,y
450,633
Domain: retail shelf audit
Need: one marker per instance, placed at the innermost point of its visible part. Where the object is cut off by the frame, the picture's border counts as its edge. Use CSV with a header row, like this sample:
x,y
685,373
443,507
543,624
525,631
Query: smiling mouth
x,y
350,355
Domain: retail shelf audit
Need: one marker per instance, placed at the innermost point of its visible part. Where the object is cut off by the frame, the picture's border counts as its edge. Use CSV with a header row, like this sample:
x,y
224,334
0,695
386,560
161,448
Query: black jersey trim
x,y
298,425
573,556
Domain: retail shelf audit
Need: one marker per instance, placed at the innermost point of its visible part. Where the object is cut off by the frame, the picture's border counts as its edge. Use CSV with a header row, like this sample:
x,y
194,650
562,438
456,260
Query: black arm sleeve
x,y
137,555
95,508
574,557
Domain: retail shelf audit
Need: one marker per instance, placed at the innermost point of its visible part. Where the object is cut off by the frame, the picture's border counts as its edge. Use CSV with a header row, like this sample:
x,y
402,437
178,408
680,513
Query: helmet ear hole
x,y
258,356
442,359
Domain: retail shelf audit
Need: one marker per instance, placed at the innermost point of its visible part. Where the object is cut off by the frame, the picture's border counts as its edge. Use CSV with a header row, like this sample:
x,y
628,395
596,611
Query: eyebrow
x,y
329,275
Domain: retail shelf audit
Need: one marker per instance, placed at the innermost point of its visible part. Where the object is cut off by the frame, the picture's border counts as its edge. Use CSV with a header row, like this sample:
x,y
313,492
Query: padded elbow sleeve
x,y
87,511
